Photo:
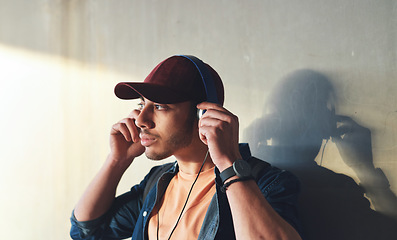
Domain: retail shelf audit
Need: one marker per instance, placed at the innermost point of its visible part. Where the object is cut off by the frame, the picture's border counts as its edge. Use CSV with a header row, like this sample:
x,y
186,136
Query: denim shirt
x,y
129,215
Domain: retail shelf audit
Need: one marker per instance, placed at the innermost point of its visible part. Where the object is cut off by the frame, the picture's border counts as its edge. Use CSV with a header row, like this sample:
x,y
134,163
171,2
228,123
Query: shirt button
x,y
144,214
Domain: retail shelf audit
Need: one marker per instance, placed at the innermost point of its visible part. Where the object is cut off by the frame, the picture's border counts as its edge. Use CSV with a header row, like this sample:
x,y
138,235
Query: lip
x,y
146,140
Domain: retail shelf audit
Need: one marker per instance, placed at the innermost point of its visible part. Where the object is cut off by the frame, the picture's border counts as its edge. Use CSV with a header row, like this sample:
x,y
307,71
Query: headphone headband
x,y
206,77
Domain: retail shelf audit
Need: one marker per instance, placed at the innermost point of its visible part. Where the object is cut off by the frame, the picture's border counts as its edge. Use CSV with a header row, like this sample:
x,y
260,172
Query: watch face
x,y
242,168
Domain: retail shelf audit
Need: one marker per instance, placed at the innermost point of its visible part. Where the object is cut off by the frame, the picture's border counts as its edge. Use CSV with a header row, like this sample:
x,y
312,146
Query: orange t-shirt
x,y
172,203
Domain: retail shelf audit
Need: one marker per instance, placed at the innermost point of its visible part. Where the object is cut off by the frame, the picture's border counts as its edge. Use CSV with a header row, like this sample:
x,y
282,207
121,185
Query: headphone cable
x,y
184,206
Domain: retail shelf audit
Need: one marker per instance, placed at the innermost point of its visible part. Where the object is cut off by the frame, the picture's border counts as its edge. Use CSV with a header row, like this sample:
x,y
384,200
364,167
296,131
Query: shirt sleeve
x,y
118,222
281,189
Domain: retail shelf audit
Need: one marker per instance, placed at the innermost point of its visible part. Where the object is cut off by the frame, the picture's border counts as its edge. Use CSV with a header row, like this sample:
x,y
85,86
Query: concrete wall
x,y
290,69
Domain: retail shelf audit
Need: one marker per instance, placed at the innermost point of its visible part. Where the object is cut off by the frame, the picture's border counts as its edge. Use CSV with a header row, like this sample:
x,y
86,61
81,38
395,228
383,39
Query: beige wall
x,y
61,59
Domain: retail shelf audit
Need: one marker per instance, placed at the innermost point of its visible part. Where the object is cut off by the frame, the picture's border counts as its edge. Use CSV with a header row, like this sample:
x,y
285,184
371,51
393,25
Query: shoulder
x,y
155,173
268,177
271,179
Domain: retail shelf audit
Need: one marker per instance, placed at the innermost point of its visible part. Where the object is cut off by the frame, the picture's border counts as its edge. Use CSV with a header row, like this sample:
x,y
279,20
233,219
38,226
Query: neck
x,y
190,159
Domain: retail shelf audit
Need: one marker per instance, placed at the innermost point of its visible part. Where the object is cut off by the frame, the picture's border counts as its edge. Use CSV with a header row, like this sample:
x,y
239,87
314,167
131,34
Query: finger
x,y
215,124
221,115
205,105
202,135
213,106
212,133
203,138
132,128
121,128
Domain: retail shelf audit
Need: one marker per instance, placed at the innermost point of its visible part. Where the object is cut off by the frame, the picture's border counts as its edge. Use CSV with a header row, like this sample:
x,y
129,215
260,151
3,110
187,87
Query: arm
x,y
218,129
355,147
254,216
100,194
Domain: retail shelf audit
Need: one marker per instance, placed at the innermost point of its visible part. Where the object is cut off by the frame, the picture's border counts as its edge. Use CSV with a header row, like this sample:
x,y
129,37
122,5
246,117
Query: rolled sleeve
x,y
281,189
117,223
84,229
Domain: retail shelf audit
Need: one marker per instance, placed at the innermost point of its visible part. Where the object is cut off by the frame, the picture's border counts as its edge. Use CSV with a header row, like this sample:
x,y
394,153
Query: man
x,y
210,192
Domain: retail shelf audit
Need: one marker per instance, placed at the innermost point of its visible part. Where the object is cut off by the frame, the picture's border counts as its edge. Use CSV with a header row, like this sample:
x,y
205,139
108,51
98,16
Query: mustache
x,y
146,132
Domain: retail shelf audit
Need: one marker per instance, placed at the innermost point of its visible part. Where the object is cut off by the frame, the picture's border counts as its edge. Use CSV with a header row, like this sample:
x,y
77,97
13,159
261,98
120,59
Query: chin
x,y
152,155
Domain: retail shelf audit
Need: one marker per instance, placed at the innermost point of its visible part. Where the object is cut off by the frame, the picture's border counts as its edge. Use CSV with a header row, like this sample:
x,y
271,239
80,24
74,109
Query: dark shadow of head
x,y
298,115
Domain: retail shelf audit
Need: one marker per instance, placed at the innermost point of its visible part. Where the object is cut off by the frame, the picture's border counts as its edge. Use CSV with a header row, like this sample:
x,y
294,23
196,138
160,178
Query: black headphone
x,y
208,82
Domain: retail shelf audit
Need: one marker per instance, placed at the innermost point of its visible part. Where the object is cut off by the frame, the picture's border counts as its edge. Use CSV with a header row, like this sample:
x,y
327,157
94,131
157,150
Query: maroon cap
x,y
174,80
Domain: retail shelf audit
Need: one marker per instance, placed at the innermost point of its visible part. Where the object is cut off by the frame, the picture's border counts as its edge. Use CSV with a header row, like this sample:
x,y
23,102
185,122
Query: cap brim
x,y
153,92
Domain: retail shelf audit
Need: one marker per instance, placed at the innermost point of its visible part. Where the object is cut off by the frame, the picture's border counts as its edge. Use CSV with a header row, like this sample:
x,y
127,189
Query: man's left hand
x,y
218,128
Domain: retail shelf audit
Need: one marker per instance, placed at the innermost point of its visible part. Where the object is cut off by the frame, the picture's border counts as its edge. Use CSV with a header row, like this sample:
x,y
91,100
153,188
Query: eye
x,y
160,107
141,105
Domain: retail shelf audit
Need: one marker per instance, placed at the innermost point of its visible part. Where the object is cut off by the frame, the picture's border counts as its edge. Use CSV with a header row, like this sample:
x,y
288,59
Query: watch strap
x,y
226,185
227,173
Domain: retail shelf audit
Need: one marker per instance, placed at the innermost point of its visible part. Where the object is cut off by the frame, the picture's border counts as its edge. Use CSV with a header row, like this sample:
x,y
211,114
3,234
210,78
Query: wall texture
x,y
313,82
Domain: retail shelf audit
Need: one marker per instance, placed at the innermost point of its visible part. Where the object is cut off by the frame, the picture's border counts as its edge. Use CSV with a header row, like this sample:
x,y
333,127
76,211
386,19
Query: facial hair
x,y
178,140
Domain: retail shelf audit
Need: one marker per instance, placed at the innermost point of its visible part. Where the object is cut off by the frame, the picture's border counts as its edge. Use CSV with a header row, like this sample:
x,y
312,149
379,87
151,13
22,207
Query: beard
x,y
178,140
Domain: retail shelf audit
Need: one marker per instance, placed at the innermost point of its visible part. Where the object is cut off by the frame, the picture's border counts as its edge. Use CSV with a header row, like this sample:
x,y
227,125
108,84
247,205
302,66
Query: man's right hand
x,y
125,143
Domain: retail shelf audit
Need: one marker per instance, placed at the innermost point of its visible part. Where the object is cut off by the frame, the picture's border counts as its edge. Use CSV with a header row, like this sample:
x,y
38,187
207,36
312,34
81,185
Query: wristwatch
x,y
240,167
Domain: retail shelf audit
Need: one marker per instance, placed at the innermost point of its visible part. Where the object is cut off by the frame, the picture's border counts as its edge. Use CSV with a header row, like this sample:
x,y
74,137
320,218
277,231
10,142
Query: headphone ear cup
x,y
200,113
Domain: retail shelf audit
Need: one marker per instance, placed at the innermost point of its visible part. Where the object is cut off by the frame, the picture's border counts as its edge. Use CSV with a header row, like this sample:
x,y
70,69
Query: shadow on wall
x,y
299,115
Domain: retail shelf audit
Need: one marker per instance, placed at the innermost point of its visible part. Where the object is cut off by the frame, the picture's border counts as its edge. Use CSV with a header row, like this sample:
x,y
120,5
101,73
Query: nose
x,y
145,118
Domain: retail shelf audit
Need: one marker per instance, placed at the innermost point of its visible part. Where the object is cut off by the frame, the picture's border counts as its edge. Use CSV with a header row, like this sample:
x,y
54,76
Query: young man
x,y
210,192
